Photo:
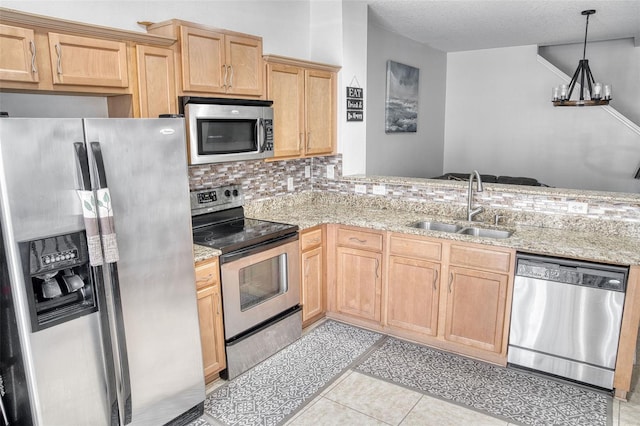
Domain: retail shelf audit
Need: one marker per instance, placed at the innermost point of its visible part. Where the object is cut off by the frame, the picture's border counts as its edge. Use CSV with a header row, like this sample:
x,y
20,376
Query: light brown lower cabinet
x,y
210,316
475,311
359,273
312,274
413,295
449,294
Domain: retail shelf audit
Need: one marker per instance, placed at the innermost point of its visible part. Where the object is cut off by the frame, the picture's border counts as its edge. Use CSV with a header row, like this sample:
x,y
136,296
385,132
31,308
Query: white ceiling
x,y
458,25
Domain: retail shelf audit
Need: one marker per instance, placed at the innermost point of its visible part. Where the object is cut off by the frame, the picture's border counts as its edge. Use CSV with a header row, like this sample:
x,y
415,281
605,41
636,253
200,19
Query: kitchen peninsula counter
x,y
601,241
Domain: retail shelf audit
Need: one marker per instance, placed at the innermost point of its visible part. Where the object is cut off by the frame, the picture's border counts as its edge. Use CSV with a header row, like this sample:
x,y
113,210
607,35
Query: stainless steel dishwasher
x,y
566,317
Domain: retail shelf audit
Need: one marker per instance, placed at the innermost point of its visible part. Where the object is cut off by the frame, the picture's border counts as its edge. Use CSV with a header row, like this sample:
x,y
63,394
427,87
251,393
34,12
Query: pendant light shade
x,y
589,92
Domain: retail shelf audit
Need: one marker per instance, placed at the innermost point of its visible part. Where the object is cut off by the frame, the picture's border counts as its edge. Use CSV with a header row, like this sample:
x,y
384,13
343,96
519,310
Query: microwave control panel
x,y
268,130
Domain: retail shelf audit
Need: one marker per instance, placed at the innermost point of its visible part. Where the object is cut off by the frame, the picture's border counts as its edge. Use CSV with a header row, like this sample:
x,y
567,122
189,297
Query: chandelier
x,y
590,92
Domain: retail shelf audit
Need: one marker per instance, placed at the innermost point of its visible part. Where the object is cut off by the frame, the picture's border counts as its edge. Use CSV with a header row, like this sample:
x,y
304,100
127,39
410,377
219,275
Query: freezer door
x,y
63,364
146,173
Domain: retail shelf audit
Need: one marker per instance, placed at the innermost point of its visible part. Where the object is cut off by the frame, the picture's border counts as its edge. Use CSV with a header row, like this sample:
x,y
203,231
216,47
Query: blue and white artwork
x,y
401,105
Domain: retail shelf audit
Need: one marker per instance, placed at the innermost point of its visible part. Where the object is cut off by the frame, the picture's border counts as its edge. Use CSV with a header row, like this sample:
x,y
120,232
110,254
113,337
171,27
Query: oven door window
x,y
220,136
262,281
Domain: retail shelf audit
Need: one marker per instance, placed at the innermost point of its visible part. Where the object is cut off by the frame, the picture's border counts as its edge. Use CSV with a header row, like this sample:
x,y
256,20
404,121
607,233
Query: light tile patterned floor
x,y
357,399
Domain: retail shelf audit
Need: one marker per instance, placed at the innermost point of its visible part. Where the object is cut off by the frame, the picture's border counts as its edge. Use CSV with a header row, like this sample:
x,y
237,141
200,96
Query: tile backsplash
x,y
262,180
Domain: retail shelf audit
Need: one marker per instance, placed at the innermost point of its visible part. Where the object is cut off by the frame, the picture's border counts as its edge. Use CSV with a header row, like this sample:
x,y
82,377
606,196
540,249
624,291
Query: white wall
x,y
352,141
500,120
418,154
283,24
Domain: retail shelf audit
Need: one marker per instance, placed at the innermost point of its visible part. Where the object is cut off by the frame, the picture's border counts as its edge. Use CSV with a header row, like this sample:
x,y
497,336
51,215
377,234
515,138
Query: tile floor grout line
x,y
412,408
358,411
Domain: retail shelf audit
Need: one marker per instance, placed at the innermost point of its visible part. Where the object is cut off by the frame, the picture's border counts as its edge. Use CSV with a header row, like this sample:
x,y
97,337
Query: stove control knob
x,y
227,193
235,192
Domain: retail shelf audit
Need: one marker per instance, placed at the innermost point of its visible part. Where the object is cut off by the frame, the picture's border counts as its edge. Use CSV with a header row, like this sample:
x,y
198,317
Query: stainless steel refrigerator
x,y
98,313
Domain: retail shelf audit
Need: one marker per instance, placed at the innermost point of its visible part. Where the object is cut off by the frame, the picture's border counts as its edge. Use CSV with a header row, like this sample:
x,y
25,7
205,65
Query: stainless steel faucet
x,y
472,213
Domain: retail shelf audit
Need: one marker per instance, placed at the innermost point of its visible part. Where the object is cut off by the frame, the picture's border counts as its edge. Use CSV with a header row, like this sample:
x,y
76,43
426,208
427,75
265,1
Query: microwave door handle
x,y
262,132
103,200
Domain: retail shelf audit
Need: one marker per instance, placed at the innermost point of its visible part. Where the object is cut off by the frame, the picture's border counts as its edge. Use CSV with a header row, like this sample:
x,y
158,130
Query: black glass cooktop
x,y
239,233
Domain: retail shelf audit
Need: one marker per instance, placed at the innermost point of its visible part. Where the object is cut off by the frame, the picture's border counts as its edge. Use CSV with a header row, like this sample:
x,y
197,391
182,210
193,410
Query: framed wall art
x,y
401,101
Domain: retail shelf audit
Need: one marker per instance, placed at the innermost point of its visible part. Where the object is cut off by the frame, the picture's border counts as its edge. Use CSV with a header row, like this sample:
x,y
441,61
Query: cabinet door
x,y
320,112
476,302
88,61
211,330
244,65
203,61
286,90
156,81
18,58
412,295
359,282
312,292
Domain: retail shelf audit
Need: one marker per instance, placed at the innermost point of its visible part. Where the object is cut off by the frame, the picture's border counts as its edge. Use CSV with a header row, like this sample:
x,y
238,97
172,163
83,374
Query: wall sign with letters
x,y
355,104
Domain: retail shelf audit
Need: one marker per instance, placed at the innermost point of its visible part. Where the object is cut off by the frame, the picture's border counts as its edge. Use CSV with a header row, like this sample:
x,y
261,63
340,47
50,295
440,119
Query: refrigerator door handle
x,y
110,251
95,256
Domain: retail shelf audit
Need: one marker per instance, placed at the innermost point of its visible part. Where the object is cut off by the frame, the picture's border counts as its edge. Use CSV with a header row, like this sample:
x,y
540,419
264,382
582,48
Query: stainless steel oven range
x,y
259,272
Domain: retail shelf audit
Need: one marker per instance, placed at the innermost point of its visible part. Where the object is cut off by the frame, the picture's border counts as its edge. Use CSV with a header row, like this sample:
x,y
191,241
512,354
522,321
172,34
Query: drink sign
x,y
355,104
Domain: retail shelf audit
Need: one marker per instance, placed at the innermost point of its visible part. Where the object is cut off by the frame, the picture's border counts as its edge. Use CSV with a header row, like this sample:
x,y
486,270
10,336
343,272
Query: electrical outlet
x,y
289,184
379,190
307,171
331,171
361,189
576,207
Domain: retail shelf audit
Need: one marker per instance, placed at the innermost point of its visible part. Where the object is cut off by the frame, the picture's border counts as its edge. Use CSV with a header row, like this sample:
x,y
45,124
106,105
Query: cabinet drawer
x,y
310,239
415,247
359,239
481,258
207,273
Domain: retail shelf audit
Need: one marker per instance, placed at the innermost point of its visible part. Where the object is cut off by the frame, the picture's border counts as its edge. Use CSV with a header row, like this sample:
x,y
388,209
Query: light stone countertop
x,y
201,253
600,245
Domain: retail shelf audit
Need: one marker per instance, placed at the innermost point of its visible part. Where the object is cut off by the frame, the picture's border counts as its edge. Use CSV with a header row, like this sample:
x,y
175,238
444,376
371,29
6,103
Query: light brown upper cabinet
x,y
156,87
18,60
215,61
86,61
40,53
305,106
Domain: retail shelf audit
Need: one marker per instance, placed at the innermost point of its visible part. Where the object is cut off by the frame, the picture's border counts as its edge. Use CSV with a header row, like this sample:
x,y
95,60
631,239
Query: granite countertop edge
x,y
202,253
585,244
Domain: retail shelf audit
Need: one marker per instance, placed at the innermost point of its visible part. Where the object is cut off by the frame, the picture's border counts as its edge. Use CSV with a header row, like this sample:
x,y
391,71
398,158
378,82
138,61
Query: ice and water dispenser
x,y
58,279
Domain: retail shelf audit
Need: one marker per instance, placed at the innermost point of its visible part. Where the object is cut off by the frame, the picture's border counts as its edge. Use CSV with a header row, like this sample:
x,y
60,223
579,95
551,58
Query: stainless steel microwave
x,y
220,129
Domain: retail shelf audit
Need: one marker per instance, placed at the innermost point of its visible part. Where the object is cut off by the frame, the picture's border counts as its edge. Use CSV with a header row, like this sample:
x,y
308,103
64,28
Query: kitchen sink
x,y
484,232
436,226
464,230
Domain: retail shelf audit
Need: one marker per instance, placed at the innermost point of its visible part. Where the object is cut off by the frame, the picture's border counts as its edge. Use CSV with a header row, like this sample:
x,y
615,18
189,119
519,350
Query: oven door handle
x,y
248,251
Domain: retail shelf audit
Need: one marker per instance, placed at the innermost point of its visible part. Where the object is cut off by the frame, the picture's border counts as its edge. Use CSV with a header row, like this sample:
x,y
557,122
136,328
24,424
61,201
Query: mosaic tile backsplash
x,y
549,207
